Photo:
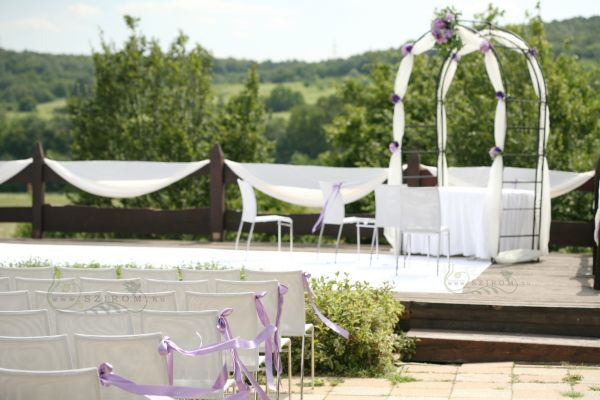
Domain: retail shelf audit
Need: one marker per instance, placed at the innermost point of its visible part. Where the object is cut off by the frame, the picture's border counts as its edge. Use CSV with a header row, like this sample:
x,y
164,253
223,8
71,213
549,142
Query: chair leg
x,y
448,255
428,246
357,238
408,250
278,235
373,237
290,370
302,369
437,268
250,236
377,243
337,243
312,358
239,233
320,238
291,236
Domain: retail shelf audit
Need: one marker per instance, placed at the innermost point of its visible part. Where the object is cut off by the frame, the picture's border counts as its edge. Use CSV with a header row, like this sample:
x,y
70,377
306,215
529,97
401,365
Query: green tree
x,y
283,99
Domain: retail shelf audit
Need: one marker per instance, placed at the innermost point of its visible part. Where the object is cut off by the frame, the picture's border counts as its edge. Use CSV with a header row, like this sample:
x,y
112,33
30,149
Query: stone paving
x,y
503,381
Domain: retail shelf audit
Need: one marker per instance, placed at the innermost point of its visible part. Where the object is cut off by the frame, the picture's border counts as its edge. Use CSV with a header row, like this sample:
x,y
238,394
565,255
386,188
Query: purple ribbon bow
x,y
335,191
311,297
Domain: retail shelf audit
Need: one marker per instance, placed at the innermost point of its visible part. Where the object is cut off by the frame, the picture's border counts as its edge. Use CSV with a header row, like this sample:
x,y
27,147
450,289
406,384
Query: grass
x,y
44,111
572,379
595,388
311,92
398,377
572,394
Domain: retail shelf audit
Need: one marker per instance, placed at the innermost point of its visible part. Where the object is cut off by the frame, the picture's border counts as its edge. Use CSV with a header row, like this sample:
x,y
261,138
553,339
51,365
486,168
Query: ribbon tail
x,y
331,325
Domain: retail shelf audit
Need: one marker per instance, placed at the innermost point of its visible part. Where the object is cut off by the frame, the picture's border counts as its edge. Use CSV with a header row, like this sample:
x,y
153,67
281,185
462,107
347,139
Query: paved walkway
x,y
468,381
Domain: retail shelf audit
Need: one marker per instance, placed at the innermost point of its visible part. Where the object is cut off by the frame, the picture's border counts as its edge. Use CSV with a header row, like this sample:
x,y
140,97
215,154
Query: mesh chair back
x,y
134,303
46,285
270,299
14,301
243,321
77,301
4,284
334,211
249,209
41,385
210,275
170,274
132,356
293,318
420,209
99,273
94,322
37,272
24,323
189,329
39,353
387,206
179,287
132,285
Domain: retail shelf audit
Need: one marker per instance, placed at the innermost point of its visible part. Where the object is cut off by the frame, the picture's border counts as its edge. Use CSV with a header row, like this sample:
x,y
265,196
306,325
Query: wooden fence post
x,y
38,189
413,168
596,259
217,193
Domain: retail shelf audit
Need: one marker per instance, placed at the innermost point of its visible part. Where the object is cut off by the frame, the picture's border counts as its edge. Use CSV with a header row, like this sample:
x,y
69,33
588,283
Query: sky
x,y
259,30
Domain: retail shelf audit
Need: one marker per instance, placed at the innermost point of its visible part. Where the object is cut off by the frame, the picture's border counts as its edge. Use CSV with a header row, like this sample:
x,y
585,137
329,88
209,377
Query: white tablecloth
x,y
463,212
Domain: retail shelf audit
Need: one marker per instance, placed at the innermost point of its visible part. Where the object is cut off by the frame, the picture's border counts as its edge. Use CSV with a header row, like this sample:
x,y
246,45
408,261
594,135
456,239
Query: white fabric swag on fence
x,y
8,169
299,184
122,179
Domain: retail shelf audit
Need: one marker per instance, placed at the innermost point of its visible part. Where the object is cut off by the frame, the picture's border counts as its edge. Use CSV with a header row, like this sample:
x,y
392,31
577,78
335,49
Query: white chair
x,y
67,285
293,320
94,322
75,384
100,273
334,213
249,214
76,301
132,285
24,323
14,301
136,302
35,272
171,274
179,287
134,357
388,215
210,275
421,214
39,353
4,284
189,329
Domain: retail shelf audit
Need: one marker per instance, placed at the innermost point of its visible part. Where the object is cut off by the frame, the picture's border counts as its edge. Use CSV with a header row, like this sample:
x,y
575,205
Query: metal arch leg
x,y
320,238
278,235
337,243
239,233
250,236
302,368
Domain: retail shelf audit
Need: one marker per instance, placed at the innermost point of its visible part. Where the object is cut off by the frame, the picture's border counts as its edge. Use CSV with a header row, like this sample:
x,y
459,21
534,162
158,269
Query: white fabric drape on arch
x,y
122,179
8,169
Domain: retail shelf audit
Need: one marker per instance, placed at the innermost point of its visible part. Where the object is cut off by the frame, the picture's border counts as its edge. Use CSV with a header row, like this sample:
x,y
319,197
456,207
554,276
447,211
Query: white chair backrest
x,y
4,283
189,329
39,353
270,299
249,209
420,209
334,212
75,384
293,318
179,287
14,301
46,285
24,323
387,206
134,303
135,357
75,301
94,322
132,285
100,273
243,320
170,274
34,272
210,275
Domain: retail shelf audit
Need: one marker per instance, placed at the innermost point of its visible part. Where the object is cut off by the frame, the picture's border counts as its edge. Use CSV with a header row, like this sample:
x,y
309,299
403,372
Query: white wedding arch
x,y
484,41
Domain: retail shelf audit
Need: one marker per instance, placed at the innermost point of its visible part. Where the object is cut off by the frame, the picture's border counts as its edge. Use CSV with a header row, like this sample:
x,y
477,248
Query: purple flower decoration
x,y
500,95
407,48
441,31
532,52
495,152
450,17
396,99
485,46
455,57
394,146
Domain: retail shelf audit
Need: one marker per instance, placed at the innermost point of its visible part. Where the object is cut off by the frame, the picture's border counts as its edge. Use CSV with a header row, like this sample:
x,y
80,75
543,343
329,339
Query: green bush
x,y
370,315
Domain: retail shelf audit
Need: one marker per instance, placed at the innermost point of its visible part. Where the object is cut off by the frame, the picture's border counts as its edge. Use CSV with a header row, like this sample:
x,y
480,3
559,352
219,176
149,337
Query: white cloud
x,y
84,10
35,24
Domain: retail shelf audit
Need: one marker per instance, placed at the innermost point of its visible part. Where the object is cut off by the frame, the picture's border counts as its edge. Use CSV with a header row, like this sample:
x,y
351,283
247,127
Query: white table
x,y
463,212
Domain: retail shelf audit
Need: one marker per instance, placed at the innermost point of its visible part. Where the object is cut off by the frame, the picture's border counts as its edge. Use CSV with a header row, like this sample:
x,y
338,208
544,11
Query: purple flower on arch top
x,y
495,152
407,48
441,30
532,52
500,95
485,46
394,146
395,98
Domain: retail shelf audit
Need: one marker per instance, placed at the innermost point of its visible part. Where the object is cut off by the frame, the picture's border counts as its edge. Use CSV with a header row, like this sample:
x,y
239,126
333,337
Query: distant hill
x,y
28,78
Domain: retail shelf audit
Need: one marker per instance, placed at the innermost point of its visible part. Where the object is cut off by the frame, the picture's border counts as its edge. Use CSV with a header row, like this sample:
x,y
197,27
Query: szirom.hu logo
x,y
460,282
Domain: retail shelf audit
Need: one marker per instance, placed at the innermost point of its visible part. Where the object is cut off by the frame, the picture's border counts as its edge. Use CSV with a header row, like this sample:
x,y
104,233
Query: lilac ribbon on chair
x,y
335,191
271,350
311,297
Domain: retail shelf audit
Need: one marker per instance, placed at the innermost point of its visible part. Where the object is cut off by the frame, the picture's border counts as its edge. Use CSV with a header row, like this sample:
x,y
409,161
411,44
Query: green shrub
x,y
370,315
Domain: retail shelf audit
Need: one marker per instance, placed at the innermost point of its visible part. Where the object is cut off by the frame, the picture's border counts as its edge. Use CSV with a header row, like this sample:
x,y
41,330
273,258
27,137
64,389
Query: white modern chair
x,y
210,275
132,285
24,323
249,215
100,273
39,353
77,301
179,287
66,285
388,215
35,272
334,213
170,274
293,320
134,357
94,322
4,283
136,302
190,329
421,214
75,384
14,301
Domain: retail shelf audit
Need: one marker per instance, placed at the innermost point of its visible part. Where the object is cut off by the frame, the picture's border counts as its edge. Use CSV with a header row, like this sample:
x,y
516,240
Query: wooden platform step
x,y
446,346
